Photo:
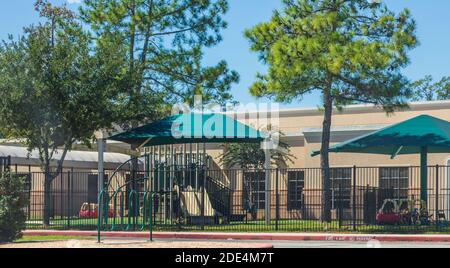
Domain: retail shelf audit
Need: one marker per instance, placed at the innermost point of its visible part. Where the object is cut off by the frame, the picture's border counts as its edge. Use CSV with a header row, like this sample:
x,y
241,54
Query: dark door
x,y
93,188
370,206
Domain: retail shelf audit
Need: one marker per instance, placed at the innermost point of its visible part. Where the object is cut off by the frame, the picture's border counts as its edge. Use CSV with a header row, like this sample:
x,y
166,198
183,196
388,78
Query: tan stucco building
x,y
303,127
299,186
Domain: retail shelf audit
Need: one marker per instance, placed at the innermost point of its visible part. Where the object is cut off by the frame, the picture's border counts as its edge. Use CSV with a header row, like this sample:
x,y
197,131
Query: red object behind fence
x,y
391,218
89,211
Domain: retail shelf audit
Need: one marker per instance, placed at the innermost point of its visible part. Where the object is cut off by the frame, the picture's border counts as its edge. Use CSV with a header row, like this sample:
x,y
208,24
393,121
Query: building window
x,y
254,190
93,188
394,182
296,184
341,187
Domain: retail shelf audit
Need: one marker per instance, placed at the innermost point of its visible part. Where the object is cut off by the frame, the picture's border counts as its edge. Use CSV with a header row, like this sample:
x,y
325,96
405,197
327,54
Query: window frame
x,y
295,196
257,197
341,197
399,192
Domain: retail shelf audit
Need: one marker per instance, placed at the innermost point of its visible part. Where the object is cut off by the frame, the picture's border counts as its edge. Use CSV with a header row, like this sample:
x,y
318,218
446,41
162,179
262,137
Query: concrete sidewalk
x,y
253,236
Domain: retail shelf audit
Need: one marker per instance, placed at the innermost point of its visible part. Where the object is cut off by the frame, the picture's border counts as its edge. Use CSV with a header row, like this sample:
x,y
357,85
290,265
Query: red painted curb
x,y
249,236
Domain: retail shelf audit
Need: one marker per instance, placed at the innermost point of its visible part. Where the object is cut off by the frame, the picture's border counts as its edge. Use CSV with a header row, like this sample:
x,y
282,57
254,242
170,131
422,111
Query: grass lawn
x,y
28,239
250,226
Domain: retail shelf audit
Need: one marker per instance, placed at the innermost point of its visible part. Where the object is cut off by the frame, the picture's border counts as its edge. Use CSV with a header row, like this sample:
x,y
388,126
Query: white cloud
x,y
74,1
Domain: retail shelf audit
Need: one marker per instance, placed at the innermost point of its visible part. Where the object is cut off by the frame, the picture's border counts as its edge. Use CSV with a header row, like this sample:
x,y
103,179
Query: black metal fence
x,y
364,199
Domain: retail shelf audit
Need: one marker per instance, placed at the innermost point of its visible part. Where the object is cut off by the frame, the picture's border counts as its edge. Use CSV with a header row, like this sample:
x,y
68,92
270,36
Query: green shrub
x,y
12,204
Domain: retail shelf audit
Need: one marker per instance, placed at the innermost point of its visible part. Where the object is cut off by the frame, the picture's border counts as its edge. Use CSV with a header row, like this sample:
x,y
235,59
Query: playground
x,y
186,190
176,183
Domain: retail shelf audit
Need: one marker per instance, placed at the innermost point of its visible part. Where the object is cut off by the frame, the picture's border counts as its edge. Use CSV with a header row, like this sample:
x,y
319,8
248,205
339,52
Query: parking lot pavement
x,y
325,244
370,244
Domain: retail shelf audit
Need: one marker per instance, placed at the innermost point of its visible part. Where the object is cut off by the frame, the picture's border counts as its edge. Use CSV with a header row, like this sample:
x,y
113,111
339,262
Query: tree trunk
x,y
47,196
324,158
48,178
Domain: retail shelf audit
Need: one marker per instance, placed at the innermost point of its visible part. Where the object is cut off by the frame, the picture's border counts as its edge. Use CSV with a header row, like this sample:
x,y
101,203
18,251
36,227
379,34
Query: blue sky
x,y
431,57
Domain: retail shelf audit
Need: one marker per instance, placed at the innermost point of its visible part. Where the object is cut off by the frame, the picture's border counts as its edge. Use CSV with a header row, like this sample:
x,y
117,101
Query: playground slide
x,y
191,204
209,210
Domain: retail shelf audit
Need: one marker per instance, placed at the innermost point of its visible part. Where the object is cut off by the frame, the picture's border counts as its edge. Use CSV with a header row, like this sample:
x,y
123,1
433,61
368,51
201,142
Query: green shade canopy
x,y
420,135
191,128
408,137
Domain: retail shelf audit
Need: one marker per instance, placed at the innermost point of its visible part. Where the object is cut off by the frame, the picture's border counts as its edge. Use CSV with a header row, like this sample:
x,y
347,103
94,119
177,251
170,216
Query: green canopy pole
x,y
424,174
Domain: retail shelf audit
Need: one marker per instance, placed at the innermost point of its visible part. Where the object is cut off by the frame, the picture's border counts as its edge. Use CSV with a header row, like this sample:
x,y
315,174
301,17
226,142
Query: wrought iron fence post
x,y
339,208
150,223
277,200
437,198
203,199
366,201
69,205
354,199
30,190
60,199
179,213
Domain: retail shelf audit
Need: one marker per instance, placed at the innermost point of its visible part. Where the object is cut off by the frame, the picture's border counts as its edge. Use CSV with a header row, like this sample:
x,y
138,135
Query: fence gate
x,y
361,208
5,163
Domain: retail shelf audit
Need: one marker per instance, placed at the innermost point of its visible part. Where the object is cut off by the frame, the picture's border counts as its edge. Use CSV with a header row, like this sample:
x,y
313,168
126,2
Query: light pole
x,y
101,170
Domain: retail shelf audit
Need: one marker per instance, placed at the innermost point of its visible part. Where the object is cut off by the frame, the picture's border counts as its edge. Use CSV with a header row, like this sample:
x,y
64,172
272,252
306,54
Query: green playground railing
x,y
146,219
